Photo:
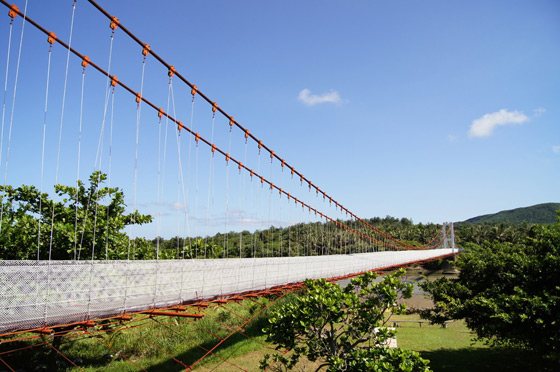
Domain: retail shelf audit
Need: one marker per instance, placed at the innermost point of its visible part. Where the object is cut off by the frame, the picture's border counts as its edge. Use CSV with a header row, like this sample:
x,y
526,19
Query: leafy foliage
x,y
303,239
79,218
509,294
343,327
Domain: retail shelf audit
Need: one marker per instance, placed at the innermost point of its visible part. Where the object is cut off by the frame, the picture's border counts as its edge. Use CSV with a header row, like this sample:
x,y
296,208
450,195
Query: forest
x,y
89,222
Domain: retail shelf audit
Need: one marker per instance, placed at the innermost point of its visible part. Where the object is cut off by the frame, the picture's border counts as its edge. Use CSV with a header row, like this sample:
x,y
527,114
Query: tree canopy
x,y
508,293
342,328
80,222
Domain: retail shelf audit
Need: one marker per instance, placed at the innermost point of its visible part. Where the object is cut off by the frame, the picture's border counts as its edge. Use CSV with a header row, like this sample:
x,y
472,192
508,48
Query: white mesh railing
x,y
35,294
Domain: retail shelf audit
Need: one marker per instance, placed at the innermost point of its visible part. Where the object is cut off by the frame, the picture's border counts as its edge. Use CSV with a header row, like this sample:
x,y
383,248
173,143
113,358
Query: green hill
x,y
536,214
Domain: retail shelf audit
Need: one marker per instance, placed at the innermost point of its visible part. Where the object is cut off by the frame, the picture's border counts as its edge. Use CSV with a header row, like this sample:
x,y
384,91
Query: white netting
x,y
34,294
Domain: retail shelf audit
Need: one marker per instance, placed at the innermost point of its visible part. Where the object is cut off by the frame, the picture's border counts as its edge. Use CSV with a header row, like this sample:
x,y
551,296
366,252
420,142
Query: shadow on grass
x,y
231,347
487,359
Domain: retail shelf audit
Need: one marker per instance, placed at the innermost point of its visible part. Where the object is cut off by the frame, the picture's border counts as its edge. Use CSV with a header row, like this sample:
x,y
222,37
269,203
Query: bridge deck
x,y
34,294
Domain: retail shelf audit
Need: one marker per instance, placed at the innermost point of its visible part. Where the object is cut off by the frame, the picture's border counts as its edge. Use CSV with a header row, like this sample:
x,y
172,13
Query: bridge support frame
x,y
449,239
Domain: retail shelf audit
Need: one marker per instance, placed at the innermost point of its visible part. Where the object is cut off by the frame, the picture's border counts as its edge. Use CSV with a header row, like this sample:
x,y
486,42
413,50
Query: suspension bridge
x,y
168,145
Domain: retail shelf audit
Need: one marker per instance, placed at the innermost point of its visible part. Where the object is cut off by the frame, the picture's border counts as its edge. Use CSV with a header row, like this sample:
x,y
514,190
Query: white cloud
x,y
484,126
538,111
451,138
179,206
556,149
309,99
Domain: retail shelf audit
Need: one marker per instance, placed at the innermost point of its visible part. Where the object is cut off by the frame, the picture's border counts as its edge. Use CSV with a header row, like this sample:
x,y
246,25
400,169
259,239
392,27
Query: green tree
x,y
509,294
80,221
342,328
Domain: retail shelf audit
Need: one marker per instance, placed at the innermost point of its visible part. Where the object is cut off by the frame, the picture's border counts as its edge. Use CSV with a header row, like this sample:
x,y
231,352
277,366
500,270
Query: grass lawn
x,y
448,349
453,349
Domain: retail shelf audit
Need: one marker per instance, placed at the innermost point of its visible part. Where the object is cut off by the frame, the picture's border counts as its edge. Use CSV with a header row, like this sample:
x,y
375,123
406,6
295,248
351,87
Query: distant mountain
x,y
538,214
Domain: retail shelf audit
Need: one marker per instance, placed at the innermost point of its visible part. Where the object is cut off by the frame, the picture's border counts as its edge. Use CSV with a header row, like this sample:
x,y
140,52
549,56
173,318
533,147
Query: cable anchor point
x,y
85,62
114,23
13,12
146,50
214,109
51,38
114,81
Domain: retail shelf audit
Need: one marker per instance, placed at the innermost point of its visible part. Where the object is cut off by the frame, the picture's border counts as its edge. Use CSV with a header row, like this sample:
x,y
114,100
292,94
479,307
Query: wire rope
x,y
161,170
12,113
178,194
252,242
187,226
242,199
226,236
210,188
43,156
78,162
61,121
198,238
108,209
136,146
180,178
99,154
5,94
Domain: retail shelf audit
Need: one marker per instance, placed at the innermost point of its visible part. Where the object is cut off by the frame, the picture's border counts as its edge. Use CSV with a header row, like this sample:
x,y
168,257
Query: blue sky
x,y
433,110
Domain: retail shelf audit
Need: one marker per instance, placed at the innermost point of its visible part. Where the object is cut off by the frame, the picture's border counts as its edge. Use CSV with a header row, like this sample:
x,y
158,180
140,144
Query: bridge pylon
x,y
449,238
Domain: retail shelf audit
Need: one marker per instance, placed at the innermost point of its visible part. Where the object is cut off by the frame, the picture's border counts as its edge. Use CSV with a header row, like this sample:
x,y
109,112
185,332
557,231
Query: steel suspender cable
x,y
43,158
180,178
198,239
111,82
210,186
226,240
188,236
12,15
179,175
161,188
108,211
196,210
13,109
61,118
241,187
77,255
145,52
159,182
